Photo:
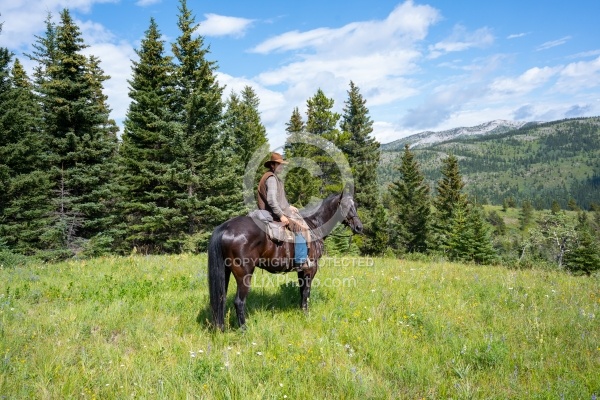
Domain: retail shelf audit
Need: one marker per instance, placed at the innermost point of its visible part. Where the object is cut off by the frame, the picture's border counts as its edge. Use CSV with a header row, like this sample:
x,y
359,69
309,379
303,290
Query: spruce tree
x,y
24,200
584,254
460,237
448,199
526,215
411,199
301,186
148,208
459,228
483,251
555,208
322,122
379,226
362,152
245,134
211,164
497,222
81,138
242,123
361,149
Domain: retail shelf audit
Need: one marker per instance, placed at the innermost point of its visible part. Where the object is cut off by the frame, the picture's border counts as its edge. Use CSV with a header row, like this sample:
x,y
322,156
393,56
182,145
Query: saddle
x,y
276,230
280,233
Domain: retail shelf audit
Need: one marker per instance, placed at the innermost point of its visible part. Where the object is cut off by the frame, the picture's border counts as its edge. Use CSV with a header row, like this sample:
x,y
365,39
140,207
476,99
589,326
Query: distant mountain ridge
x,y
538,162
429,137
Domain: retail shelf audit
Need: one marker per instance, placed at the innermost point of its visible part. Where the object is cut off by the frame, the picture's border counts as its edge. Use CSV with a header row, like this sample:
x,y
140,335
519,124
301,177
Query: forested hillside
x,y
554,161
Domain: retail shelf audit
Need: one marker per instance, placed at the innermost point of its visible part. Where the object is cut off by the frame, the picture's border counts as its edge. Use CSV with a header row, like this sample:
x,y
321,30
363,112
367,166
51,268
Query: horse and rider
x,y
240,245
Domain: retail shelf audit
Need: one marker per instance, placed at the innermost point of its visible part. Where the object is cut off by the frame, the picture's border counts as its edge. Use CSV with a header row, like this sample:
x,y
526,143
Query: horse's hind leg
x,y
243,287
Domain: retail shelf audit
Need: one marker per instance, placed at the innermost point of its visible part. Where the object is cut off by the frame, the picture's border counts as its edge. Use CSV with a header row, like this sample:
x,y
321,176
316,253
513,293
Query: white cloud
x,y
221,25
461,40
530,80
24,18
517,35
376,55
578,76
145,3
406,24
590,53
553,43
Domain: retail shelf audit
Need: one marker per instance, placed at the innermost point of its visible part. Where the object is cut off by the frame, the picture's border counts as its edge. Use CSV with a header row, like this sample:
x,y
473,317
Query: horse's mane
x,y
313,213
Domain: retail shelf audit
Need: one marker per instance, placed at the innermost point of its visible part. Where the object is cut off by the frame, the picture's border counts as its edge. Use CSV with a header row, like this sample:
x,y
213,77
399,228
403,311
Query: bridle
x,y
348,219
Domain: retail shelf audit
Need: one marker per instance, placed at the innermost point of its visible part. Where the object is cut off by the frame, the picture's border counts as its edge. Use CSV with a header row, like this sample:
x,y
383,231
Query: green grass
x,y
114,328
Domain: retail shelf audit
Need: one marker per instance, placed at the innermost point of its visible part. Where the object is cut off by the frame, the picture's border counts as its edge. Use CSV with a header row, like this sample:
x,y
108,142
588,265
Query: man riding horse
x,y
272,198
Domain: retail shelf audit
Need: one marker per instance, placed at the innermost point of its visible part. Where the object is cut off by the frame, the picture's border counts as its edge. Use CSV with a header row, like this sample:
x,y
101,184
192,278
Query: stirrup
x,y
305,266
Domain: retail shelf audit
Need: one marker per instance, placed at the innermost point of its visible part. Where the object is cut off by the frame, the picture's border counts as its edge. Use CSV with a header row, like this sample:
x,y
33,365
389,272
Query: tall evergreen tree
x,y
459,228
24,200
211,164
360,147
322,121
243,125
301,185
412,202
81,138
448,199
362,151
146,156
245,134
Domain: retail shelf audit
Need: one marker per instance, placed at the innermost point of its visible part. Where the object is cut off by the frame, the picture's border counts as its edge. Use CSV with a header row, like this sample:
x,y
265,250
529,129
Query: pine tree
x,y
379,227
146,156
81,138
448,199
360,147
483,250
245,135
555,208
362,151
24,200
584,254
242,123
211,164
301,186
411,197
497,222
322,121
526,215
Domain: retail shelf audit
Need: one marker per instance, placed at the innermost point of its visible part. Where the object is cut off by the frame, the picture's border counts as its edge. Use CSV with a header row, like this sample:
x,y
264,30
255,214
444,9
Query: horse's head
x,y
348,211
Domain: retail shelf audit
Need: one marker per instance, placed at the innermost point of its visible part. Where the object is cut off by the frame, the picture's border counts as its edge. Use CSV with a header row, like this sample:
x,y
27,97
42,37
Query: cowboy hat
x,y
276,158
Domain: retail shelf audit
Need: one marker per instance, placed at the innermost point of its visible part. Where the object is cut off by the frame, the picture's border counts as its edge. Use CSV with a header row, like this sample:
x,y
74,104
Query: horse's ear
x,y
348,190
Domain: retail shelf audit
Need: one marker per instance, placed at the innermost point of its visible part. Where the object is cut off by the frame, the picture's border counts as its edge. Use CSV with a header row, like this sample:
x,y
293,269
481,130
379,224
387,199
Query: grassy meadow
x,y
135,327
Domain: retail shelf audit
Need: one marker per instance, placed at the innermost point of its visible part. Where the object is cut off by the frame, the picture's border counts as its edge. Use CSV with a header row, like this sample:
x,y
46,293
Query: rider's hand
x,y
284,219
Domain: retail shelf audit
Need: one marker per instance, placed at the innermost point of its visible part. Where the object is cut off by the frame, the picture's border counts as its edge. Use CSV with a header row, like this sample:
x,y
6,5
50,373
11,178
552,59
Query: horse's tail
x,y
217,278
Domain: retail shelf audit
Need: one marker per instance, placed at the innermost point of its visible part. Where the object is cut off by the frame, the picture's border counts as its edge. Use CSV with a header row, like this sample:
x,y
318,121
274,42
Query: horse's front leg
x,y
305,278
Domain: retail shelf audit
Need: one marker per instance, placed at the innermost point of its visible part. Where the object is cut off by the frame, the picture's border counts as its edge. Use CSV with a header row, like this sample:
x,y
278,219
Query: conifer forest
x,y
75,185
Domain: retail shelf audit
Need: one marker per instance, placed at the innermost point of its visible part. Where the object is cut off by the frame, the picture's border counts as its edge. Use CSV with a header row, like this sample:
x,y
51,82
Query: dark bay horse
x,y
240,245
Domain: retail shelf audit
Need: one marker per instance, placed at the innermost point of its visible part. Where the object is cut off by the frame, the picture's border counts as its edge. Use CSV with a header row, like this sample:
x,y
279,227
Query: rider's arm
x,y
272,196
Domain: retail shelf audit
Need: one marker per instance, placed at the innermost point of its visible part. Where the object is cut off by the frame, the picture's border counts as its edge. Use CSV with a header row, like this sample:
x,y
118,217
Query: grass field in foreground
x,y
115,328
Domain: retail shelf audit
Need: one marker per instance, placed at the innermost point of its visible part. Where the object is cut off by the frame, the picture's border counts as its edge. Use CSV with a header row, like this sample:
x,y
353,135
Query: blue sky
x,y
420,65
